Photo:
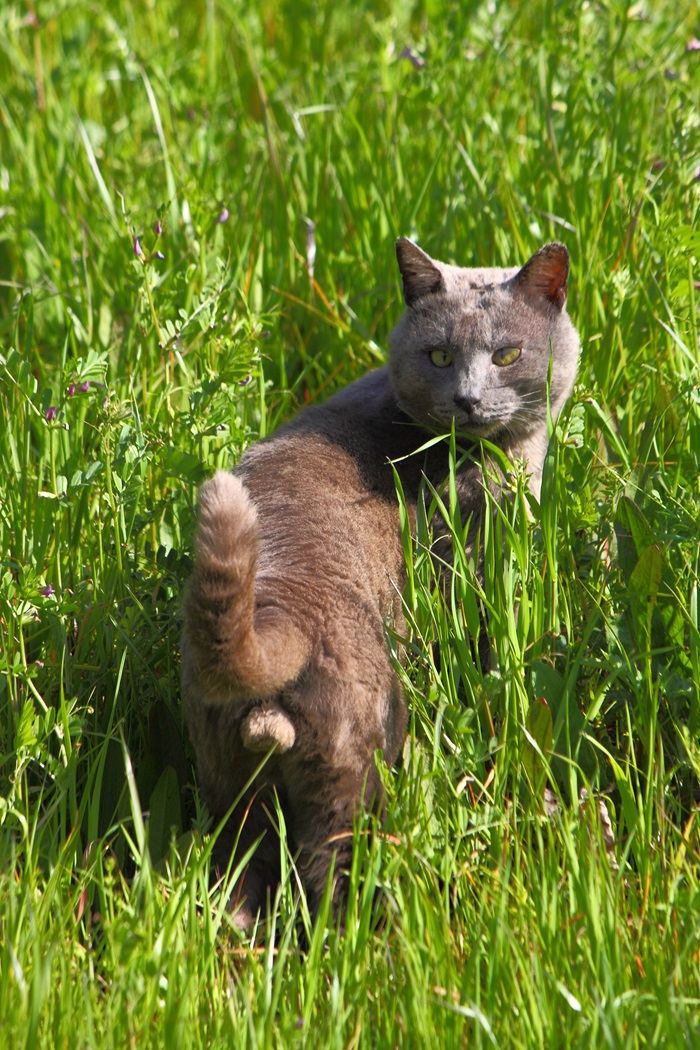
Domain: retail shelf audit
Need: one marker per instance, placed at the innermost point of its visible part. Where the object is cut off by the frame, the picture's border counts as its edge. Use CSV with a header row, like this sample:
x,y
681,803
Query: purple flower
x,y
223,216
51,413
71,390
693,45
47,591
138,250
416,60
157,228
84,387
157,255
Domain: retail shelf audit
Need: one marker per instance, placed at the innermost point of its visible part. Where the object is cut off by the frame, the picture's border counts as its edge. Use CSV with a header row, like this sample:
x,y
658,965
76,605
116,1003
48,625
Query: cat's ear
x,y
546,274
419,273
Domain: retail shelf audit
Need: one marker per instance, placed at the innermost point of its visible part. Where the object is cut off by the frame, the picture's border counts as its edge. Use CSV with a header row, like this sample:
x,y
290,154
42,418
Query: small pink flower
x,y
157,228
138,250
71,390
51,413
223,216
84,387
47,591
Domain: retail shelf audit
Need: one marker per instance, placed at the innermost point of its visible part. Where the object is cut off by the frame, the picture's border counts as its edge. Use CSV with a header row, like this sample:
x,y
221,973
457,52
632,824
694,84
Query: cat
x,y
299,564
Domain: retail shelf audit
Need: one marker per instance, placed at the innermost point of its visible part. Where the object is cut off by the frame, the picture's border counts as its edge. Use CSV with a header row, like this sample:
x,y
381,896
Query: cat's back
x,y
325,497
341,446
338,452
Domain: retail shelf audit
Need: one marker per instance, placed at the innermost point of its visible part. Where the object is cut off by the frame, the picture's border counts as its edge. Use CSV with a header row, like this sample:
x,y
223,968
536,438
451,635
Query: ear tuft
x,y
546,274
420,274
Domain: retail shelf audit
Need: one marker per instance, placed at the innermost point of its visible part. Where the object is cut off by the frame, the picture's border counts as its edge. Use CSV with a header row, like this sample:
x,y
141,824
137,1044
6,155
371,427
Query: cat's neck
x,y
532,450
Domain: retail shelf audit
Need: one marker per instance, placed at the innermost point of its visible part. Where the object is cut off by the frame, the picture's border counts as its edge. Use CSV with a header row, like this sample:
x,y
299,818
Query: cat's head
x,y
474,345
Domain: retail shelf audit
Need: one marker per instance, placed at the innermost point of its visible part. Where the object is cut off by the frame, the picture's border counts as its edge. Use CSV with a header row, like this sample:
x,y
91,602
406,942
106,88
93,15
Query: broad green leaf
x,y
165,814
642,591
634,534
538,744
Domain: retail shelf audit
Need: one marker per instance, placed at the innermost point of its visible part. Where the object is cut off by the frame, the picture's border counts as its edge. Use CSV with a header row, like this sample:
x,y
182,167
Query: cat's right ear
x,y
419,273
546,275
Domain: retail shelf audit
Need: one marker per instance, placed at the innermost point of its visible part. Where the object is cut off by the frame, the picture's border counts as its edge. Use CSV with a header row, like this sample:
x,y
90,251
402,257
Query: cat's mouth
x,y
476,425
470,425
473,425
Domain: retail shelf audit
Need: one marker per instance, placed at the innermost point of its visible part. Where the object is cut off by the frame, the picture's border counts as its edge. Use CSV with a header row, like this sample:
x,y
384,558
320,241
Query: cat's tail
x,y
242,651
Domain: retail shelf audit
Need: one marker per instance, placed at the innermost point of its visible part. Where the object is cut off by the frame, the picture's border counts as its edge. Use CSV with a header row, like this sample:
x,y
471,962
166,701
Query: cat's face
x,y
475,345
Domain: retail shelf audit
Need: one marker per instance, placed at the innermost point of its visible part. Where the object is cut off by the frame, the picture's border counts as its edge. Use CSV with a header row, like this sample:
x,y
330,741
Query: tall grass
x,y
271,155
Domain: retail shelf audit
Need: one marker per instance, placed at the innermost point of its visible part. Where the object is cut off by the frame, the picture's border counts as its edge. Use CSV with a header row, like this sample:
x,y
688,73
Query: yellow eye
x,y
441,358
507,355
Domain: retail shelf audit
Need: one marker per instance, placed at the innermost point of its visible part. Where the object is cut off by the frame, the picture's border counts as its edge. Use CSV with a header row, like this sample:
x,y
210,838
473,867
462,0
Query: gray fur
x,y
299,562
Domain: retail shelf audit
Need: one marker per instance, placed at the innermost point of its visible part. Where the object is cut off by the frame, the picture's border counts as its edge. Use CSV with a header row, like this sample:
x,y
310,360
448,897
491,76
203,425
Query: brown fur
x,y
299,564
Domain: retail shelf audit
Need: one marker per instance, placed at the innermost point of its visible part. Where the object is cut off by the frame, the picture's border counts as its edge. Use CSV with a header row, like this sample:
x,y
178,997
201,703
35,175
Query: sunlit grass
x,y
271,156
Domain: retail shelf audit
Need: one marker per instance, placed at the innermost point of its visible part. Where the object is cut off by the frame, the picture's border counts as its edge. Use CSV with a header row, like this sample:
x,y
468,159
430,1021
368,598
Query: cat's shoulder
x,y
362,425
364,403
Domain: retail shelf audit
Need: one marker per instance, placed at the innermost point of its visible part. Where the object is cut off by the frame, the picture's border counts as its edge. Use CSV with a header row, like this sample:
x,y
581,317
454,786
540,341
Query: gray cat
x,y
299,563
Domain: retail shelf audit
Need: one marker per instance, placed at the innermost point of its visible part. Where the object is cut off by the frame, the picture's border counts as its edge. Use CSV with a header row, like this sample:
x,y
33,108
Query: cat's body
x,y
300,565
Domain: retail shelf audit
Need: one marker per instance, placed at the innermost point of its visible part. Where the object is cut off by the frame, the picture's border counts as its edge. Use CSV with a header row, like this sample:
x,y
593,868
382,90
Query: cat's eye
x,y
441,358
507,355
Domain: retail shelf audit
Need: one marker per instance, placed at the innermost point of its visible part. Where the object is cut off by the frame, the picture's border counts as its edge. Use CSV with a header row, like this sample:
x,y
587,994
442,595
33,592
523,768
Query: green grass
x,y
474,920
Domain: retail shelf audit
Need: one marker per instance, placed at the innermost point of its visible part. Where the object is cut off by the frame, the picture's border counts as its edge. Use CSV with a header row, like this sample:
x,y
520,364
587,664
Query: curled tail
x,y
241,651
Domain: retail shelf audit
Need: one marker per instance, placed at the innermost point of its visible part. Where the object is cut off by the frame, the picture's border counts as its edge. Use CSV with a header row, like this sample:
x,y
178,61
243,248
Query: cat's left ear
x,y
419,273
546,275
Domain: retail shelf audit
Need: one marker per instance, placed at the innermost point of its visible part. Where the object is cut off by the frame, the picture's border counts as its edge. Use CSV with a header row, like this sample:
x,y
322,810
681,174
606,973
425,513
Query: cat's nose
x,y
466,403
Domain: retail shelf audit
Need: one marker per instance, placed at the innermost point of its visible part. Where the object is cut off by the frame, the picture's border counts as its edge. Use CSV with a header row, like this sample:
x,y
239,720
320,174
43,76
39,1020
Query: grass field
x,y
198,204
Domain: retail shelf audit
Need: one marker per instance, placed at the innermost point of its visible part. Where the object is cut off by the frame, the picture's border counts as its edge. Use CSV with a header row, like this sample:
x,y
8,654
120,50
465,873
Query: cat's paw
x,y
243,918
268,726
